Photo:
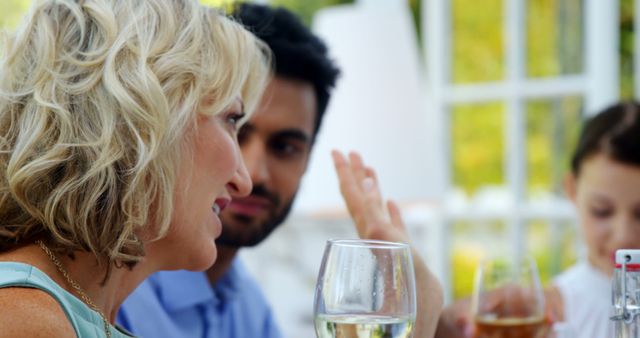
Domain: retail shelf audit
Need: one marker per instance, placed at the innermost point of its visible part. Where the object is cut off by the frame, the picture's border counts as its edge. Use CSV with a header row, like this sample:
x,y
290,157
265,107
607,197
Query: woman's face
x,y
607,196
208,178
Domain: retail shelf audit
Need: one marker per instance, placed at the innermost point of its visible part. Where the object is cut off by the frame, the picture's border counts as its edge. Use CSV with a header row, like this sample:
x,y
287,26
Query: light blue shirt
x,y
177,304
86,322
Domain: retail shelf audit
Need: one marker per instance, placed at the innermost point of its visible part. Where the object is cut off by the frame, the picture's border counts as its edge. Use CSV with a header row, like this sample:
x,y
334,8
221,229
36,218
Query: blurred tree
x,y
11,11
416,8
553,126
477,145
225,4
554,37
477,41
307,8
626,49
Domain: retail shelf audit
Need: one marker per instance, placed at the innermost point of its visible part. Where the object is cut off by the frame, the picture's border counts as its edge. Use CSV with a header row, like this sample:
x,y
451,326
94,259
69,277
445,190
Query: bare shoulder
x,y
28,312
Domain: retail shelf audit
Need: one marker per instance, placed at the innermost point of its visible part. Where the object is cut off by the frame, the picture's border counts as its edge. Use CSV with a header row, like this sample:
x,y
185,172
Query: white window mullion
x,y
569,85
602,47
515,44
436,35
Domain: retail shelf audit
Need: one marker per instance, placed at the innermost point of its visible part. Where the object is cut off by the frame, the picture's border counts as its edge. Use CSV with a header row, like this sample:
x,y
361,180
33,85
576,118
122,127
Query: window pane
x,y
307,8
477,132
553,126
553,245
11,12
477,41
554,37
627,8
472,242
217,3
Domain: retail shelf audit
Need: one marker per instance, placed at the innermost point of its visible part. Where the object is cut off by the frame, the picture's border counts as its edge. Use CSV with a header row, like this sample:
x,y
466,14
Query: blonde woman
x,y
118,149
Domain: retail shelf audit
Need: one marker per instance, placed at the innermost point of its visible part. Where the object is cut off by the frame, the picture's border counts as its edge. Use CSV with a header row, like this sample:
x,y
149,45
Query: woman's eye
x,y
234,119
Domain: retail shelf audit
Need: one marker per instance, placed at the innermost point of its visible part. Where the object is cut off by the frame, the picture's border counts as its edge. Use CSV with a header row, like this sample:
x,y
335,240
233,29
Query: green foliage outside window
x,y
477,41
626,48
477,143
307,8
11,12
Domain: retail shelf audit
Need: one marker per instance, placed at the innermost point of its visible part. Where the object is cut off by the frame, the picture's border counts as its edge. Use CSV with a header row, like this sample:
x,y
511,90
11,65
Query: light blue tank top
x,y
86,322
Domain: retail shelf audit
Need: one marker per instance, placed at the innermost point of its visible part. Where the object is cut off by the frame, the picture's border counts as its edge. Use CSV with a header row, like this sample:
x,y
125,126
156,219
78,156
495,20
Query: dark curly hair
x,y
615,132
298,53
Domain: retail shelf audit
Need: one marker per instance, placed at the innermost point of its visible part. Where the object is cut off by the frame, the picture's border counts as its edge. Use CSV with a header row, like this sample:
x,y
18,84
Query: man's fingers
x,y
374,213
345,177
341,166
349,188
357,166
395,215
360,189
369,172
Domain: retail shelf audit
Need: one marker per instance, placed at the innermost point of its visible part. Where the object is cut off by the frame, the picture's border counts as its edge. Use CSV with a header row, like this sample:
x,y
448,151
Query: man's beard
x,y
242,232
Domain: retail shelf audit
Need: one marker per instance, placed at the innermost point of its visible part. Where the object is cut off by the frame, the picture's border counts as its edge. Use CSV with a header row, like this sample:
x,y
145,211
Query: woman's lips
x,y
220,204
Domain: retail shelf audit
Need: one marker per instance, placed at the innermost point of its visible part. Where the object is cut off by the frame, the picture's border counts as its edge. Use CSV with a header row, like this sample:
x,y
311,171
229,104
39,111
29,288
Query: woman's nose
x,y
240,184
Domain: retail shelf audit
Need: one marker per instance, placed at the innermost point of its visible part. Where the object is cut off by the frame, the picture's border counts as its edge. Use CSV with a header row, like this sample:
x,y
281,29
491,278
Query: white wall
x,y
377,107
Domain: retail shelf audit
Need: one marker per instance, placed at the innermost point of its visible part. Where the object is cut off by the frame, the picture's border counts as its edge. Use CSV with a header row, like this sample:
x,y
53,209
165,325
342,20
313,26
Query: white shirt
x,y
586,294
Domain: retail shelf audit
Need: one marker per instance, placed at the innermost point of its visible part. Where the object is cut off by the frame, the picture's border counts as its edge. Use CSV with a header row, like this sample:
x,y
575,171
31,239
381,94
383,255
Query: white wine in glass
x,y
365,289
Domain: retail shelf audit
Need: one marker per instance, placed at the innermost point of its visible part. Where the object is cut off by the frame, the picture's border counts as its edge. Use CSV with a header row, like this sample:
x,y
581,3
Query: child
x,y
604,185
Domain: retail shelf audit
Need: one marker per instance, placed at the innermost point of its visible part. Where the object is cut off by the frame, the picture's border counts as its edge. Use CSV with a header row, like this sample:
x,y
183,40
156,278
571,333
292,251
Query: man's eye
x,y
285,148
243,133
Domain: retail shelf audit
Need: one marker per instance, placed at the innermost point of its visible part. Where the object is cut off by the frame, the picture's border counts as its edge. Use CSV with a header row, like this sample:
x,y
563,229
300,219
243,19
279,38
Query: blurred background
x,y
469,111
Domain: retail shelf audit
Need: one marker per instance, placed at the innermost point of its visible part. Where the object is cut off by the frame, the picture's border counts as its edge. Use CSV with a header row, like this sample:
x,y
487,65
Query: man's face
x,y
275,144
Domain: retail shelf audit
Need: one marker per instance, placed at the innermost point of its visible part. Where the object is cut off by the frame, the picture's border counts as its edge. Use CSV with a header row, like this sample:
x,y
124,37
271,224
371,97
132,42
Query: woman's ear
x,y
570,182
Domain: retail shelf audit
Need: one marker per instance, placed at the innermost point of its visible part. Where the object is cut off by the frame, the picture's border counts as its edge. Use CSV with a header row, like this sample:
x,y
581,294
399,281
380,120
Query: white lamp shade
x,y
377,108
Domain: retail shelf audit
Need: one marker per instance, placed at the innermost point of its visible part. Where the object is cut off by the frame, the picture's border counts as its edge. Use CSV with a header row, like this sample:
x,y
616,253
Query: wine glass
x,y
508,301
365,289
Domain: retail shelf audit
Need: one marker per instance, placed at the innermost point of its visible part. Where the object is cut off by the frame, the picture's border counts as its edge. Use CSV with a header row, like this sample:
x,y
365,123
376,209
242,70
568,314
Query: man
x,y
276,143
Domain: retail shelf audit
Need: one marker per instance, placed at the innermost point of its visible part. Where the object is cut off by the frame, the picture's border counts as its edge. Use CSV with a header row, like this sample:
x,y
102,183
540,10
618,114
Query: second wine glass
x,y
508,300
365,289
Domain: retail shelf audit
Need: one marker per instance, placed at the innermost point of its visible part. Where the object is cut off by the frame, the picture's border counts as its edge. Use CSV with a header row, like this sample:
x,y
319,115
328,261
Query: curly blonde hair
x,y
96,98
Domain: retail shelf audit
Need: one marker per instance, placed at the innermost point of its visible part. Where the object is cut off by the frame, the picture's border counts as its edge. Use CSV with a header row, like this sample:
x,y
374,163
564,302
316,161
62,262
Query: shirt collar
x,y
599,277
182,289
229,286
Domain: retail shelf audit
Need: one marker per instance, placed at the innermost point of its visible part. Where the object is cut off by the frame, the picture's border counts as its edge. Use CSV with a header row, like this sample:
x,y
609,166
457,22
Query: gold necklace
x,y
75,286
